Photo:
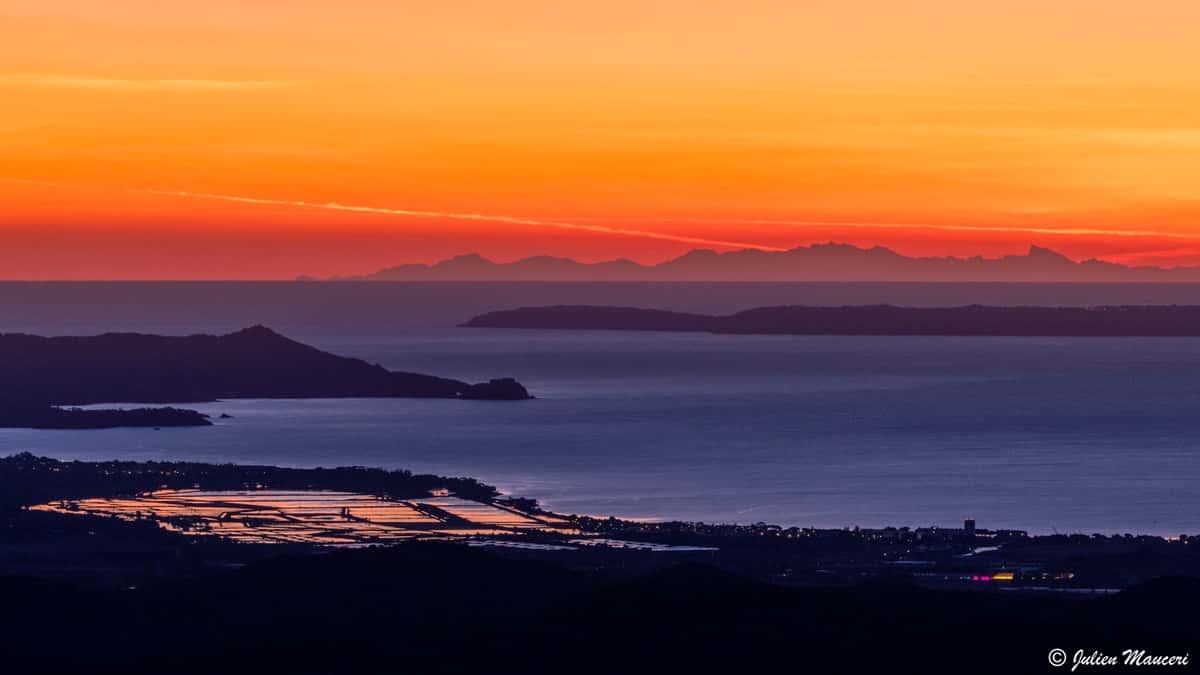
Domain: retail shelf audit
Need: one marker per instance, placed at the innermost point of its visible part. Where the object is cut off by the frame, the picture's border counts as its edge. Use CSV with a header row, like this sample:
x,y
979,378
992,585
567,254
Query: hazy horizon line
x,y
365,276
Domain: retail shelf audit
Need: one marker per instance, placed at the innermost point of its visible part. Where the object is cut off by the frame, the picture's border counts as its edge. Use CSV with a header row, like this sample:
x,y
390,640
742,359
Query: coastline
x,y
468,511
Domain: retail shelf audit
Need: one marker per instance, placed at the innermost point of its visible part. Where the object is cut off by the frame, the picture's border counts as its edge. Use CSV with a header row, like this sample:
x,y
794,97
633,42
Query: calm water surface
x,y
1070,434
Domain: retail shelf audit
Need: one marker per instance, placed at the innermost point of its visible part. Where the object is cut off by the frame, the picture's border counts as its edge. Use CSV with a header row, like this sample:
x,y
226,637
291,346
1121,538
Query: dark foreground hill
x,y
432,608
40,373
1116,321
92,594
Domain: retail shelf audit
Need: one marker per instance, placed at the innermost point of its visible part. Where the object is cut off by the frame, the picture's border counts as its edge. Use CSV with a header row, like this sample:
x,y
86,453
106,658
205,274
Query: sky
x,y
268,138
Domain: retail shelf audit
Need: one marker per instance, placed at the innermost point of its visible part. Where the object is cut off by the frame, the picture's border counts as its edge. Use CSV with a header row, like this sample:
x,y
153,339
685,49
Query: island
x,y
971,320
26,415
44,376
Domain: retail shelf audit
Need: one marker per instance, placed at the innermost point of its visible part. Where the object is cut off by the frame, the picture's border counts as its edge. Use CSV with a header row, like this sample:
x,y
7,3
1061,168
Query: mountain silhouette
x,y
817,262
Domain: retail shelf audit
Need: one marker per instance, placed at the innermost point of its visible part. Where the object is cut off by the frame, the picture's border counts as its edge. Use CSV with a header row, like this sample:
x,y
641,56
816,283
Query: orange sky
x,y
592,130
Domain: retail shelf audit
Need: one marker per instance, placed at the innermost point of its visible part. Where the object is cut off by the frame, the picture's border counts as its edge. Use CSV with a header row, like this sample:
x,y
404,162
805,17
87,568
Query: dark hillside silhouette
x,y
444,608
252,363
39,375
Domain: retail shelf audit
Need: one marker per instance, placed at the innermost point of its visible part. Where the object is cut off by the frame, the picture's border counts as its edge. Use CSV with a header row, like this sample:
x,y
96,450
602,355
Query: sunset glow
x,y
233,139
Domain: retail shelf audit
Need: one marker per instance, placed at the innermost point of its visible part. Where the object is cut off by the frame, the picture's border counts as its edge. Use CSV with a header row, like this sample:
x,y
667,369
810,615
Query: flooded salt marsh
x,y
319,517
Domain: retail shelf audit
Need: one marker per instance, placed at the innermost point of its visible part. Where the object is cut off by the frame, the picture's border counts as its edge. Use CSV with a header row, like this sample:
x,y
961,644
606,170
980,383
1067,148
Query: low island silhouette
x,y
44,376
971,320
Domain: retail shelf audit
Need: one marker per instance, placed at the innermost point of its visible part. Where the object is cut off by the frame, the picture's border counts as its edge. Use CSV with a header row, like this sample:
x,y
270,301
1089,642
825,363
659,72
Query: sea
x,y
1040,434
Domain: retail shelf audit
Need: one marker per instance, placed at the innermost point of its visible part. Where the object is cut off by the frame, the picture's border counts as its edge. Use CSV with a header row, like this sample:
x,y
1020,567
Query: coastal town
x,y
258,508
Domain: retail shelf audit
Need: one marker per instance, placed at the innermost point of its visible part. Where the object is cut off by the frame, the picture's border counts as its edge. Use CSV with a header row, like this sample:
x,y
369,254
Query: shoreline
x,y
508,490
466,510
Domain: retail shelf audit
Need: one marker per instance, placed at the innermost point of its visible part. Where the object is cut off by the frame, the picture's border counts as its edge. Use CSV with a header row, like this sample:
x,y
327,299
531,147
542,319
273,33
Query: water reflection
x,y
320,517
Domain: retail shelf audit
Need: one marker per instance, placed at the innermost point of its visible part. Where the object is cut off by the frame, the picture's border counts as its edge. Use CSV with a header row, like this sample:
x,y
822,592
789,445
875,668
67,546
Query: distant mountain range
x,y
818,262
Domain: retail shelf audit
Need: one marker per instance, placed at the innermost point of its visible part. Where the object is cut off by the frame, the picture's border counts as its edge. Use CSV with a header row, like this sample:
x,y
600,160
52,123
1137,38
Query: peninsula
x,y
41,375
978,320
339,570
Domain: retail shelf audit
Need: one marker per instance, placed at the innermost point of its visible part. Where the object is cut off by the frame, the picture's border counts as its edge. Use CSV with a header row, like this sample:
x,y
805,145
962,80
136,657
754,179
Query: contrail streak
x,y
630,232
482,217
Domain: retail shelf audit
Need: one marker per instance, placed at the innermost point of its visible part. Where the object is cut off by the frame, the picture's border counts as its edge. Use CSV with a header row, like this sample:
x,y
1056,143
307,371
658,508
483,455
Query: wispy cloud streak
x,y
480,217
28,181
1064,231
633,232
123,84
